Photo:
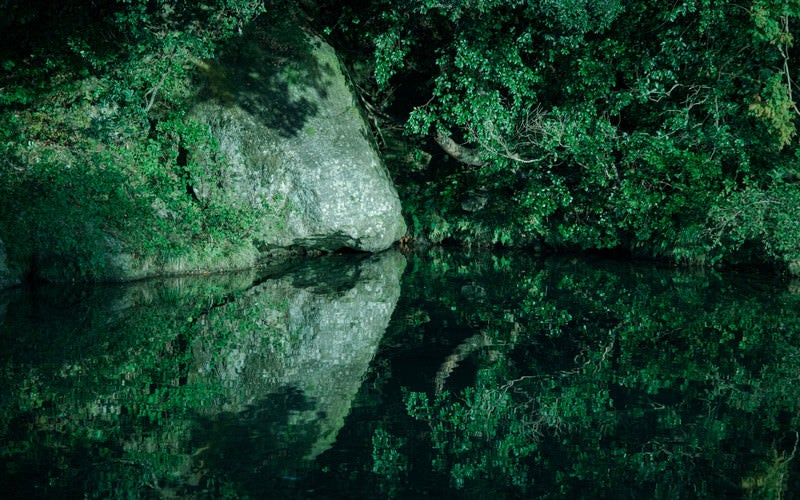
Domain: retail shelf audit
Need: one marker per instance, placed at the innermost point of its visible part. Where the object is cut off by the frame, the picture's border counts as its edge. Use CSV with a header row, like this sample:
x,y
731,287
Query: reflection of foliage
x,y
114,409
111,408
388,461
267,433
770,479
186,387
582,379
620,382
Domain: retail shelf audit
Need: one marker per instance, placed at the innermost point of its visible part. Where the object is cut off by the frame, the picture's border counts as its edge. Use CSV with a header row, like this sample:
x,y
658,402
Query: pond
x,y
444,374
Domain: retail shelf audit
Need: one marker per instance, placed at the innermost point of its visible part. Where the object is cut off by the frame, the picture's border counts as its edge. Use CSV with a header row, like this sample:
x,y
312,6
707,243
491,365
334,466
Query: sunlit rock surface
x,y
271,158
294,140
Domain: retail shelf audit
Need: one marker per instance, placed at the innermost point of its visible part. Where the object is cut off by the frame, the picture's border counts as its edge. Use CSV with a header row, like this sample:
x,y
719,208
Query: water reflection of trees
x,y
213,386
558,377
614,380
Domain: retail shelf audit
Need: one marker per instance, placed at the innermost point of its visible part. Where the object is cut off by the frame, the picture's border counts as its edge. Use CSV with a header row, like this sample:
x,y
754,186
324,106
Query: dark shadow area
x,y
327,274
330,275
265,70
35,34
260,450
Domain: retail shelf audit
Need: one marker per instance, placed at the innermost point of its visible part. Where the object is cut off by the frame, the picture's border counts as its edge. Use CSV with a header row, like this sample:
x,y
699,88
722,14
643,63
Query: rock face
x,y
296,145
271,155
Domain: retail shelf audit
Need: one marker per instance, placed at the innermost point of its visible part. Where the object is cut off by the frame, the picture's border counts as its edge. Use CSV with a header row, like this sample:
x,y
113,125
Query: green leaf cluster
x,y
98,158
600,125
610,380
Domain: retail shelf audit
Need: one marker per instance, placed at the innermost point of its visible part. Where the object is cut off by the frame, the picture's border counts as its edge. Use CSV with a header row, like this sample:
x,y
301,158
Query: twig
x,y
153,91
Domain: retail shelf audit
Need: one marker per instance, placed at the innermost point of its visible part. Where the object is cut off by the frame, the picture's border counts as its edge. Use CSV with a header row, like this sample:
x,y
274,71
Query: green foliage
x,y
775,107
98,170
599,379
388,461
754,222
599,124
391,48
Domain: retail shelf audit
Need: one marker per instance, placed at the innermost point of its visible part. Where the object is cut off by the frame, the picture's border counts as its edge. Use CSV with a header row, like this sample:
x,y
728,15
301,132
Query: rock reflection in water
x,y
160,386
311,332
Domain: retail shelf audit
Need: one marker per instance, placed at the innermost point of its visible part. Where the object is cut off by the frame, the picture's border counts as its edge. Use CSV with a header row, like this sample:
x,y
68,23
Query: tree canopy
x,y
660,129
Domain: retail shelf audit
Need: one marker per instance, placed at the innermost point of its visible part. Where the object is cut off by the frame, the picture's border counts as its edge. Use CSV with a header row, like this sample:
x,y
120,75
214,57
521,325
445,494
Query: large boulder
x,y
293,139
259,154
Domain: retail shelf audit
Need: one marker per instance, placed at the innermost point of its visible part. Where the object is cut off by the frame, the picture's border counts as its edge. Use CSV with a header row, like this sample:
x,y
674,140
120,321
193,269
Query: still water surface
x,y
447,375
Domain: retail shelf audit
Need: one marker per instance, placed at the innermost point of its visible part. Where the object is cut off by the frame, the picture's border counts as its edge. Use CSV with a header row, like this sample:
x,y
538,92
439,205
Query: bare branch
x,y
153,91
459,152
532,132
150,95
784,50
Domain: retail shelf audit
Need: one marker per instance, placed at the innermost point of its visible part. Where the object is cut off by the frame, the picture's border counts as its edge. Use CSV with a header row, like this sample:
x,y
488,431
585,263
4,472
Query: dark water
x,y
447,375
